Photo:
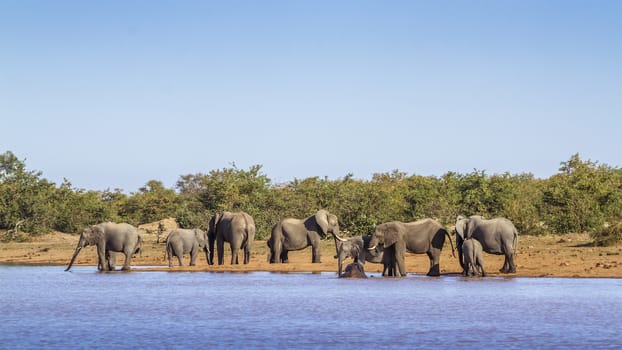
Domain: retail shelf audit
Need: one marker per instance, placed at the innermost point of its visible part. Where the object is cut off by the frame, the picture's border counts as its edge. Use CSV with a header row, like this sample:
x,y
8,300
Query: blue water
x,y
44,307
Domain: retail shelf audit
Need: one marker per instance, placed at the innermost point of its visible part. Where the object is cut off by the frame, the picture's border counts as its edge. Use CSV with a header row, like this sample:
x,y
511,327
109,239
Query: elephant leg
x,y
247,253
193,257
434,256
220,247
283,256
126,264
315,255
169,255
102,263
511,265
111,258
234,255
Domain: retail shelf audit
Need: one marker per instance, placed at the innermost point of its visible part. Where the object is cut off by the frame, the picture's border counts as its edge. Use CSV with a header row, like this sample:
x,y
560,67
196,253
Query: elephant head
x,y
202,239
327,223
386,234
90,236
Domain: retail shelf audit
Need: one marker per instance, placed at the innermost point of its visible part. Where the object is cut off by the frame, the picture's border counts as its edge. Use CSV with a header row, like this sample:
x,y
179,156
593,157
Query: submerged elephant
x,y
354,270
356,248
497,236
109,237
296,234
184,241
473,260
236,228
422,236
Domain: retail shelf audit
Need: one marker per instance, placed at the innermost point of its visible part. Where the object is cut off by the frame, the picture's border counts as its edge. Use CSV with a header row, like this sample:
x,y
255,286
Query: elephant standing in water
x,y
296,234
497,236
236,228
473,260
109,237
356,248
183,241
422,236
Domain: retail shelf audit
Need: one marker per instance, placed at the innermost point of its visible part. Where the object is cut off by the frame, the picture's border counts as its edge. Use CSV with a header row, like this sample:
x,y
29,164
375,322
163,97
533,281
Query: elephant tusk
x,y
372,248
339,238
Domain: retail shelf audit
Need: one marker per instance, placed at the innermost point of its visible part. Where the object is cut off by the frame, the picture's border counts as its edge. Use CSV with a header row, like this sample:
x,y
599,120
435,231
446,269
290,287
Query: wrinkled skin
x,y
473,260
422,236
184,241
497,236
109,237
296,234
354,270
356,248
236,228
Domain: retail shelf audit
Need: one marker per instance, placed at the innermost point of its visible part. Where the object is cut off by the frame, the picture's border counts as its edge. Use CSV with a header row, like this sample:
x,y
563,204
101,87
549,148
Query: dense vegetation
x,y
583,196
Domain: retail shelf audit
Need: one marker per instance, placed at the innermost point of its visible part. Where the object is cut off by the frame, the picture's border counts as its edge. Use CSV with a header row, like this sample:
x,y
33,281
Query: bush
x,y
608,235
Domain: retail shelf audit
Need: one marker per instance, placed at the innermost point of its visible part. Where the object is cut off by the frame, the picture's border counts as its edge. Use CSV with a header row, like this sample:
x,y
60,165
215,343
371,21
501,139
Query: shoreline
x,y
554,256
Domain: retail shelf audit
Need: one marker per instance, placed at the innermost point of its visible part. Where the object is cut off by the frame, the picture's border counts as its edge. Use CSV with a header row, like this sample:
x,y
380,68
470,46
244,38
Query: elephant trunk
x,y
73,258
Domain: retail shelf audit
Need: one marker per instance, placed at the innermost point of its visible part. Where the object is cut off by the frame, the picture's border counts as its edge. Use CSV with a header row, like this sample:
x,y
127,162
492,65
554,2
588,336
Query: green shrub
x,y
607,235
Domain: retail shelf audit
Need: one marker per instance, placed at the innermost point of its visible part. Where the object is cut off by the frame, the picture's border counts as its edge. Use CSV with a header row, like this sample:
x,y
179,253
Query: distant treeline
x,y
583,196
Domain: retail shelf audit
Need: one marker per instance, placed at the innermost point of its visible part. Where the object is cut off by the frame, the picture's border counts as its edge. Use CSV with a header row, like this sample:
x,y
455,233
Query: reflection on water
x,y
44,307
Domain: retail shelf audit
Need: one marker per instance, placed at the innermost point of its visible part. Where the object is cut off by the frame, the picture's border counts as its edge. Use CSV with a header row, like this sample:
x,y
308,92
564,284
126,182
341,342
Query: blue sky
x,y
113,94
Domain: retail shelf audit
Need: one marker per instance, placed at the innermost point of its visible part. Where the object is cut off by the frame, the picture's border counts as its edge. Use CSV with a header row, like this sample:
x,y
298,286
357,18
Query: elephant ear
x,y
461,224
321,218
391,235
213,222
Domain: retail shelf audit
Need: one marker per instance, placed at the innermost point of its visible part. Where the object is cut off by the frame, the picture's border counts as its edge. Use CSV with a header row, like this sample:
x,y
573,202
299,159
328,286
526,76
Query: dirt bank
x,y
552,256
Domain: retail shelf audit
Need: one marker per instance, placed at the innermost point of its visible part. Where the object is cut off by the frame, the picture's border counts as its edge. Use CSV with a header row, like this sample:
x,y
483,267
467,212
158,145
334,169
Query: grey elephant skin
x,y
109,237
497,236
356,248
473,260
238,229
296,234
354,270
186,241
422,236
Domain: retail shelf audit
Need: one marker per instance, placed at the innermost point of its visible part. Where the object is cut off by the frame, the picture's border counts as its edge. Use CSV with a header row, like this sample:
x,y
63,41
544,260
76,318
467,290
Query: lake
x,y
45,307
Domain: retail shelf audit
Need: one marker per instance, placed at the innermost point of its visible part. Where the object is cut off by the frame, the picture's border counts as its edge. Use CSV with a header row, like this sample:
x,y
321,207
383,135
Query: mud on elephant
x,y
236,228
422,236
356,248
296,234
109,237
473,260
184,241
497,236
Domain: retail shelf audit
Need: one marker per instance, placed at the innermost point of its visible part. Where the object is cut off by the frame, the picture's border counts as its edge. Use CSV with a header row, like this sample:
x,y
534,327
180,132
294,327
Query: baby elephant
x,y
473,262
356,248
183,241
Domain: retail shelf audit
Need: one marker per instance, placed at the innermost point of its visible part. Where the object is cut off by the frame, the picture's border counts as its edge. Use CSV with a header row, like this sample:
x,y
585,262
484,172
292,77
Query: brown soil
x,y
546,256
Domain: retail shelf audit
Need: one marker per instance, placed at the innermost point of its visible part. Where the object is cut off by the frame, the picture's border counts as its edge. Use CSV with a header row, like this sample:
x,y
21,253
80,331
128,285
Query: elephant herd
x,y
387,245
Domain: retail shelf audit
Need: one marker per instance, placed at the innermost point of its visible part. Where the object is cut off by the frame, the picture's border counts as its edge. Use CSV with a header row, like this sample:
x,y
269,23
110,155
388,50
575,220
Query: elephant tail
x,y
139,246
451,243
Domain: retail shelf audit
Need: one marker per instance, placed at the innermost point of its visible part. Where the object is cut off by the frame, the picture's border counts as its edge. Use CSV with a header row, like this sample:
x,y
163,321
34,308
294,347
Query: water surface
x,y
44,307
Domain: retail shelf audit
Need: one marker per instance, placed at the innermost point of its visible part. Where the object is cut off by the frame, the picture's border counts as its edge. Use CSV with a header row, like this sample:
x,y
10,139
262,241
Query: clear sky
x,y
112,94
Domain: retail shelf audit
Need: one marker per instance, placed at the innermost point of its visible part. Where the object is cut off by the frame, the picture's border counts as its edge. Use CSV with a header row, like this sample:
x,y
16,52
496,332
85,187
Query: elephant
x,y
422,236
236,228
182,241
296,234
354,270
473,261
356,248
109,237
497,236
